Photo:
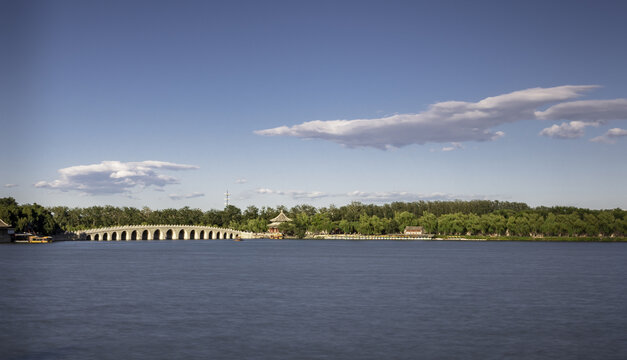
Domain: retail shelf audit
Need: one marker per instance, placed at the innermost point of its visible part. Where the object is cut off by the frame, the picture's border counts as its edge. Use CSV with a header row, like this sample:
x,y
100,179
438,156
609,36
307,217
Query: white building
x,y
413,230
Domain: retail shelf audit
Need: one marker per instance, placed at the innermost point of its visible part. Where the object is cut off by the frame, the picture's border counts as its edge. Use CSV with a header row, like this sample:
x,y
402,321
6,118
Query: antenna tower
x,y
226,198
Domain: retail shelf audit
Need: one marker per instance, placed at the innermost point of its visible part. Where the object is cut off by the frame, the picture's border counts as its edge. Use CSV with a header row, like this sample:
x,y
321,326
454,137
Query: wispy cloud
x,y
241,181
454,146
390,196
387,196
586,110
570,130
610,136
459,121
373,196
185,196
295,194
114,177
10,185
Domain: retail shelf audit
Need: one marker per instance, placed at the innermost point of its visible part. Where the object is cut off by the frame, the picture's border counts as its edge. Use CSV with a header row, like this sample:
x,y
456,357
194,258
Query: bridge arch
x,y
160,232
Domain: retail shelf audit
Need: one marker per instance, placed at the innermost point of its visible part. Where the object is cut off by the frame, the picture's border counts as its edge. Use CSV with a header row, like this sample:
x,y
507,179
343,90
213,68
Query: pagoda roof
x,y
4,225
281,218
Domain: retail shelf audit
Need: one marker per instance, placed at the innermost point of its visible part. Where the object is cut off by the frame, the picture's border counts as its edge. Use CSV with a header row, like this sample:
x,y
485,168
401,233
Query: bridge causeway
x,y
161,232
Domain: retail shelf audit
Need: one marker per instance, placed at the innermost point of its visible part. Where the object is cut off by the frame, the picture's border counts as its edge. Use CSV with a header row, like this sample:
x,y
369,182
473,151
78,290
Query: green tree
x,y
347,227
231,213
429,222
391,226
320,223
452,224
404,219
257,225
551,226
307,209
297,227
473,224
592,224
251,212
606,222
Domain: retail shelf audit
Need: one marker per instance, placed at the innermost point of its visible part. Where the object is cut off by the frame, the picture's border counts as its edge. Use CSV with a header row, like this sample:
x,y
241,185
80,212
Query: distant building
x,y
6,232
413,230
273,228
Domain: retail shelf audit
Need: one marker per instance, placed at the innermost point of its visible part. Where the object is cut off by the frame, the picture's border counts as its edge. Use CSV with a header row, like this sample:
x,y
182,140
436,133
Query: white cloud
x,y
373,196
389,196
386,196
10,185
295,194
450,121
571,130
454,146
241,181
610,136
185,196
586,110
114,177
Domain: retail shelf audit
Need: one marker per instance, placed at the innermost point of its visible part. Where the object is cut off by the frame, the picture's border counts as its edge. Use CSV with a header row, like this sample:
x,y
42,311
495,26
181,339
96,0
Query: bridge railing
x,y
162,226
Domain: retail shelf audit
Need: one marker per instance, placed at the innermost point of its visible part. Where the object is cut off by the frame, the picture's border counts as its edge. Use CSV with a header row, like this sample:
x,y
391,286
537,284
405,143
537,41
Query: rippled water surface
x,y
281,299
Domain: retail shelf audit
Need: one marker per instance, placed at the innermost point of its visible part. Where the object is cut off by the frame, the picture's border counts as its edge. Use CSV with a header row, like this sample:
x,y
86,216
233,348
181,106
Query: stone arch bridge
x,y
161,232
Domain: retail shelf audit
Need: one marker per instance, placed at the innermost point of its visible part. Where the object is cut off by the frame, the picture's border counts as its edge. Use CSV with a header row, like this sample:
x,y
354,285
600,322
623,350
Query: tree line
x,y
476,217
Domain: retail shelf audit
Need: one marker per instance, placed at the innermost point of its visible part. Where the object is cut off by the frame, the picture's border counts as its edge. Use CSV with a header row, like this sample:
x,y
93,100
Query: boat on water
x,y
32,239
39,239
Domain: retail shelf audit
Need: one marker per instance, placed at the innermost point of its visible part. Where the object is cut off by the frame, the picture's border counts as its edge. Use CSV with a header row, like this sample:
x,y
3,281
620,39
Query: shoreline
x,y
468,238
393,238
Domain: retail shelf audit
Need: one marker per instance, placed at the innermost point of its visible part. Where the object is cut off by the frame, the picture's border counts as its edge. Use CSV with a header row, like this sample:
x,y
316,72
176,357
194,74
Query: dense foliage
x,y
477,217
34,218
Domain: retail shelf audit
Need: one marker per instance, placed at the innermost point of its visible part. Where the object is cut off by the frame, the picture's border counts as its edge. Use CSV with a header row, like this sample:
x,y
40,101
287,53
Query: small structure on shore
x,y
6,232
413,230
273,227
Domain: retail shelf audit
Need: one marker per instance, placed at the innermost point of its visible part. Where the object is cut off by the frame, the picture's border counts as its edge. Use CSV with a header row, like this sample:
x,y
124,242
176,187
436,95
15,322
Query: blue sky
x,y
169,104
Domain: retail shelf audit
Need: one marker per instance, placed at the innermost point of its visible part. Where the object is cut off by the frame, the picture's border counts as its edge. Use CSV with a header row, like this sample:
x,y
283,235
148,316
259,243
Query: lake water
x,y
282,299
